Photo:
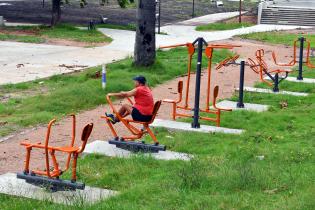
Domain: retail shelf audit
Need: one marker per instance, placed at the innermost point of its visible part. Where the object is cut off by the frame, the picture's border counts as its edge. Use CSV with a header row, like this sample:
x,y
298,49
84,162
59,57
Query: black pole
x,y
240,103
43,3
240,14
193,9
195,123
159,26
300,77
276,81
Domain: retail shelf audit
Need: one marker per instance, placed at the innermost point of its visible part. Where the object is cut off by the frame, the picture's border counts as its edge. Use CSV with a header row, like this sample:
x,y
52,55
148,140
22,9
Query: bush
x,y
123,3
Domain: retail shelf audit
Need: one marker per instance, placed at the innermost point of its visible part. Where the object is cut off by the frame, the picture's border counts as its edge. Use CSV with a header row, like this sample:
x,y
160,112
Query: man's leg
x,y
125,110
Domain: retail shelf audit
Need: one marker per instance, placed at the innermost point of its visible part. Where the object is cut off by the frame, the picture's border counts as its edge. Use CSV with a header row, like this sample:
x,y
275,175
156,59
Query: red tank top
x,y
144,100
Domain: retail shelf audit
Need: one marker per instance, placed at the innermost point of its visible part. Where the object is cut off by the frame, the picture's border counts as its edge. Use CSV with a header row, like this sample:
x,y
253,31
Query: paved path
x,y
212,18
181,34
20,62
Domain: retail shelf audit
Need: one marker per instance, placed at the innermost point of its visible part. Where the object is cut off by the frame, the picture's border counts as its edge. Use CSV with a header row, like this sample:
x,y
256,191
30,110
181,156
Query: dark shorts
x,y
137,116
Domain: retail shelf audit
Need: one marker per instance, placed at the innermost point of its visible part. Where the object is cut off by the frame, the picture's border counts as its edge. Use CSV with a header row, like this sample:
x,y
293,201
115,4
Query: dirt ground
x,y
32,11
12,155
250,18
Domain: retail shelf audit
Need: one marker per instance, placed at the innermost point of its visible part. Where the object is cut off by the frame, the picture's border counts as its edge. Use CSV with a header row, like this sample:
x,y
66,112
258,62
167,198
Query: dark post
x,y
193,9
195,123
300,77
159,26
240,15
43,3
276,85
240,103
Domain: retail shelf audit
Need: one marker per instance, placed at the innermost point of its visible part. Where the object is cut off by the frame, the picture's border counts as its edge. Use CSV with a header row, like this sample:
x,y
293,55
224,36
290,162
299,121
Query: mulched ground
x,y
32,11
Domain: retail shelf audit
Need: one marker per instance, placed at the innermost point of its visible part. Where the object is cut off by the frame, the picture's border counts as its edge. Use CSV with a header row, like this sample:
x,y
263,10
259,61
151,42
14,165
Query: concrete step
x,y
288,16
285,23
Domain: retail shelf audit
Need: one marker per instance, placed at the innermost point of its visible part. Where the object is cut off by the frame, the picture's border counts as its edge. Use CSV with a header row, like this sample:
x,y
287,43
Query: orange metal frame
x,y
308,56
294,60
136,132
262,68
72,151
176,103
229,60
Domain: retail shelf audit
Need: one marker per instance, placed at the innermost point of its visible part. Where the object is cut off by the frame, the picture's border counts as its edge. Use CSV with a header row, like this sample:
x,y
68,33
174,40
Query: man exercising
x,y
143,106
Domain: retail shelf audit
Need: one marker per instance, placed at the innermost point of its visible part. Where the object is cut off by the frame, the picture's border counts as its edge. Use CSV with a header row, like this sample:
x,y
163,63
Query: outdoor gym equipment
x,y
260,67
49,177
228,61
299,59
209,48
128,142
232,60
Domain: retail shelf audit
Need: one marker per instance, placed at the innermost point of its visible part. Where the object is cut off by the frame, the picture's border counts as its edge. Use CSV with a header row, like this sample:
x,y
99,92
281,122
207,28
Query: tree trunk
x,y
144,54
55,12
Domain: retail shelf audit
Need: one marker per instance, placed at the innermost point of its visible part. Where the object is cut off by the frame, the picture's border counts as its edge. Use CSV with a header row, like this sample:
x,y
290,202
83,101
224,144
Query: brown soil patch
x,y
64,42
245,19
12,154
306,31
20,32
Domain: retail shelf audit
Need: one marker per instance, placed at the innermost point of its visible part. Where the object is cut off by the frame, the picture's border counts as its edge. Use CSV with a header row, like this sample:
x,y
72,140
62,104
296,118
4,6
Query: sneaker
x,y
111,118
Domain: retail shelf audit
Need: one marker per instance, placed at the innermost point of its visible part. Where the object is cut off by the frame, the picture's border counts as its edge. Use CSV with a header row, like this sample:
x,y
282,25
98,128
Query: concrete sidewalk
x,y
212,18
21,62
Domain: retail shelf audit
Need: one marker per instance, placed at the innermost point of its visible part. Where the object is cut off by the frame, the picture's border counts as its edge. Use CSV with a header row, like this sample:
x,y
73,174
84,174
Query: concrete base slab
x,y
174,125
247,106
293,79
104,148
11,185
261,90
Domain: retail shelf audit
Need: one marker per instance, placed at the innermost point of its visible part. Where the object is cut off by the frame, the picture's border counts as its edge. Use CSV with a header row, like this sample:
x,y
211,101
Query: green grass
x,y
222,26
277,37
129,27
225,173
307,72
19,38
34,103
63,31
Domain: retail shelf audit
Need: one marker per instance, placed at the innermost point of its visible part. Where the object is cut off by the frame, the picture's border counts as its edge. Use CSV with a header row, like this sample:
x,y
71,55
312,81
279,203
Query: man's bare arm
x,y
124,94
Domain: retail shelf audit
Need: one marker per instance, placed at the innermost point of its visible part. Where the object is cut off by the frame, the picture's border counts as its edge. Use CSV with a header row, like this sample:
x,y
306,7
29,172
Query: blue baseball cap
x,y
140,79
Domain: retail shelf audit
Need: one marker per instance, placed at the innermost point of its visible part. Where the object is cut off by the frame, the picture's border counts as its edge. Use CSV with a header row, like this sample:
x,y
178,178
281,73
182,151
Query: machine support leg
x,y
276,85
159,20
196,123
300,76
240,103
193,9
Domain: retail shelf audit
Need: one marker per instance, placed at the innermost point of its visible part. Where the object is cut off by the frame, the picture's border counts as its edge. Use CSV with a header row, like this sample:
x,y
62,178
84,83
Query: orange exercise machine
x,y
129,142
295,59
260,67
176,104
50,177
